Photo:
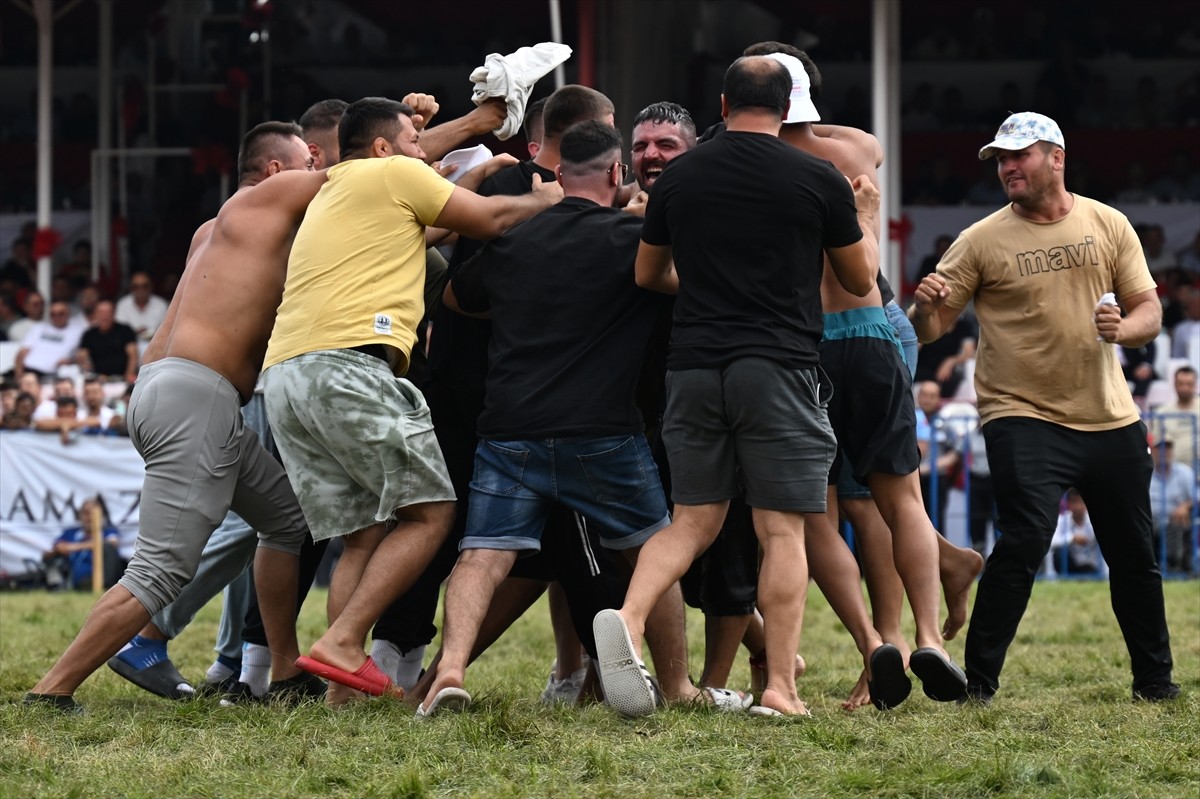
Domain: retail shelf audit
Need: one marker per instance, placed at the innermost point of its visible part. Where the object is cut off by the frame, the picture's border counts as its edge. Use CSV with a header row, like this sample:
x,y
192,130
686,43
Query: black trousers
x,y
1033,463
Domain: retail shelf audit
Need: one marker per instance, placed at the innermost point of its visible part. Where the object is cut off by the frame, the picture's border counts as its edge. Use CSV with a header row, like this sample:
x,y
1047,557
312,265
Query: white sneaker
x,y
566,690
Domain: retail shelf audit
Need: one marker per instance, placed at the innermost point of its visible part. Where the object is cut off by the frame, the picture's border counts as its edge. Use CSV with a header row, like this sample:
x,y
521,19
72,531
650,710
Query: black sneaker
x,y
1158,692
976,695
301,688
63,704
240,696
207,688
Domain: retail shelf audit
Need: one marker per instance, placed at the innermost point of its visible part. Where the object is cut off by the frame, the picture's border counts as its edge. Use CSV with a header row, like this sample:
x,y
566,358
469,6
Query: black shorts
x,y
872,410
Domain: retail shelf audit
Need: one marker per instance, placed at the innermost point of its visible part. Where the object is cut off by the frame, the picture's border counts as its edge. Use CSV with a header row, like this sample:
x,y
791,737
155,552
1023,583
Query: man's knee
x,y
154,585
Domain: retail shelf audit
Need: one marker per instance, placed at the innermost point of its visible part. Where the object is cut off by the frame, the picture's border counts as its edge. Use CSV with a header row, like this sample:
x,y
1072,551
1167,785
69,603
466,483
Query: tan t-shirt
x,y
356,273
1036,286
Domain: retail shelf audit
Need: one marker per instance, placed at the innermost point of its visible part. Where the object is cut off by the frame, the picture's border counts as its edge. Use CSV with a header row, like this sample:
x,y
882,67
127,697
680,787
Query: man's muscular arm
x,y
486,117
486,218
857,266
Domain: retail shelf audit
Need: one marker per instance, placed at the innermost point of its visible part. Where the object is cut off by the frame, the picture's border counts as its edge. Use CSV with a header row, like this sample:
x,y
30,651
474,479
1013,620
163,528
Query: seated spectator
x,y
1172,487
86,300
69,561
78,270
21,416
117,426
94,417
929,262
1073,549
20,270
1154,246
8,315
1185,335
48,409
141,308
1179,421
108,348
34,308
932,430
49,345
1137,364
65,421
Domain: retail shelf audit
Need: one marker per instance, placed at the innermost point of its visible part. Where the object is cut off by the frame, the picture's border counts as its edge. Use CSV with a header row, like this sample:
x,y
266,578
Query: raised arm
x,y
930,315
483,119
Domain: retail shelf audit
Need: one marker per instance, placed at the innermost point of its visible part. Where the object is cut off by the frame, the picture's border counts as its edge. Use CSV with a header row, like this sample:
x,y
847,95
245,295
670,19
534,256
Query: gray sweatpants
x,y
201,461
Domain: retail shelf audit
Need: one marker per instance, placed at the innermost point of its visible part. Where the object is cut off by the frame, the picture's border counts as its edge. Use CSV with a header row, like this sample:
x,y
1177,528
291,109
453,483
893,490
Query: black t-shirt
x,y
931,355
748,218
569,324
107,350
458,349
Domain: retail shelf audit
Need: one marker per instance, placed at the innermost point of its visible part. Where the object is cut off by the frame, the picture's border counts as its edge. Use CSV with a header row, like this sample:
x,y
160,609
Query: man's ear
x,y
314,150
381,147
274,167
724,107
558,173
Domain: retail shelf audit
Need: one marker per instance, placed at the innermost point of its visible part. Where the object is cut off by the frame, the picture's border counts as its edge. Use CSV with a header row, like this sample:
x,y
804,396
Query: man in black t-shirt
x,y
108,347
559,423
737,227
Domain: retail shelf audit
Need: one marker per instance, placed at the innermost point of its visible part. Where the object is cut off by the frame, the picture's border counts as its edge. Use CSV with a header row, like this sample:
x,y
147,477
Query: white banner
x,y
43,482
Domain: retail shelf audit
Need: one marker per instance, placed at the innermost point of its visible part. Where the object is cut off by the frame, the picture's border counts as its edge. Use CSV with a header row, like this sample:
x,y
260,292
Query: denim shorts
x,y
611,480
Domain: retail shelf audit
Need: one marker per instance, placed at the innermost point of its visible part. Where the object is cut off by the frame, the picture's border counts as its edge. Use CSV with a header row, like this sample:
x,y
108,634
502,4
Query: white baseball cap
x,y
1021,130
802,108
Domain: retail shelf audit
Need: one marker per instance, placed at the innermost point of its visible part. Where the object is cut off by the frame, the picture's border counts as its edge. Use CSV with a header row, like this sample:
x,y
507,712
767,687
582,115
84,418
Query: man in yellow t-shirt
x,y
1055,408
357,439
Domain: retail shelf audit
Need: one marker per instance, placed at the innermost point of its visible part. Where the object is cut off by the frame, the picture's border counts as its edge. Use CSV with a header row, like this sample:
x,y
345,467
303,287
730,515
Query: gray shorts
x,y
358,442
756,414
201,461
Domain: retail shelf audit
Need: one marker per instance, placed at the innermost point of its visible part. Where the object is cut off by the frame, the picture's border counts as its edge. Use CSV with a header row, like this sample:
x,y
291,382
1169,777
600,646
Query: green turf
x,y
1063,725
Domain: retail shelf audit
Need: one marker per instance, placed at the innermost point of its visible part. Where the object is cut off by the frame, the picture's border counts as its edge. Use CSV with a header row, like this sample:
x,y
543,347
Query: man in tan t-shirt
x,y
1055,409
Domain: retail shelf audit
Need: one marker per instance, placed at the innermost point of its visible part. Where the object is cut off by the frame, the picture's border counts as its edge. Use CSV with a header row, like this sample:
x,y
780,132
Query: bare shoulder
x,y
293,188
862,145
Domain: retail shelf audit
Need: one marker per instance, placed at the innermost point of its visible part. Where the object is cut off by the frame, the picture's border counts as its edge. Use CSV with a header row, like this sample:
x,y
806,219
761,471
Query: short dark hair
x,y
532,123
814,74
756,82
668,113
1187,370
588,141
570,104
322,115
60,401
366,120
263,141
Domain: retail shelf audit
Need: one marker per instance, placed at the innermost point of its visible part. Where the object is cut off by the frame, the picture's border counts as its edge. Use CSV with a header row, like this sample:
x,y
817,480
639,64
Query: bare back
x,y
224,308
853,152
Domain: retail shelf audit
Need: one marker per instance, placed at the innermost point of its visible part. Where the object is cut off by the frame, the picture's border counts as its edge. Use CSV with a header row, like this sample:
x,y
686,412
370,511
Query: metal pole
x,y
101,186
885,80
44,13
151,91
556,35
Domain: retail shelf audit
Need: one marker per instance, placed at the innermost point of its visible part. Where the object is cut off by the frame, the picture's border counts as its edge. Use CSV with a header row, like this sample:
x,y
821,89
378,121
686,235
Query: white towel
x,y
512,77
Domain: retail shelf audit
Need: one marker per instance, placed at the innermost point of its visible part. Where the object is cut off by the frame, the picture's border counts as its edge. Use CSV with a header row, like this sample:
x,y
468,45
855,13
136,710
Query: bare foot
x,y
860,695
758,672
959,572
340,695
787,706
346,658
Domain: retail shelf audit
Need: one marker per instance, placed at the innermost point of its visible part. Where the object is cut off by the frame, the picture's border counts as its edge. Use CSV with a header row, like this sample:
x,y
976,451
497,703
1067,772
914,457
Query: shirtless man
x,y
185,421
912,552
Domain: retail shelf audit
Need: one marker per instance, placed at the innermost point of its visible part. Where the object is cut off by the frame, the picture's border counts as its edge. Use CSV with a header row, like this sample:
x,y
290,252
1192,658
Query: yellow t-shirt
x,y
356,273
1036,286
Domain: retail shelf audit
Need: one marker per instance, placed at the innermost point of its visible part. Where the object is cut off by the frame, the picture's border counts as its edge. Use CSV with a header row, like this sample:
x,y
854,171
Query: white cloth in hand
x,y
512,77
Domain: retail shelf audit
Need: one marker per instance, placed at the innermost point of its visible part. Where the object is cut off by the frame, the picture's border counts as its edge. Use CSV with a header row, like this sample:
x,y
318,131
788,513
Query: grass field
x,y
1063,725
